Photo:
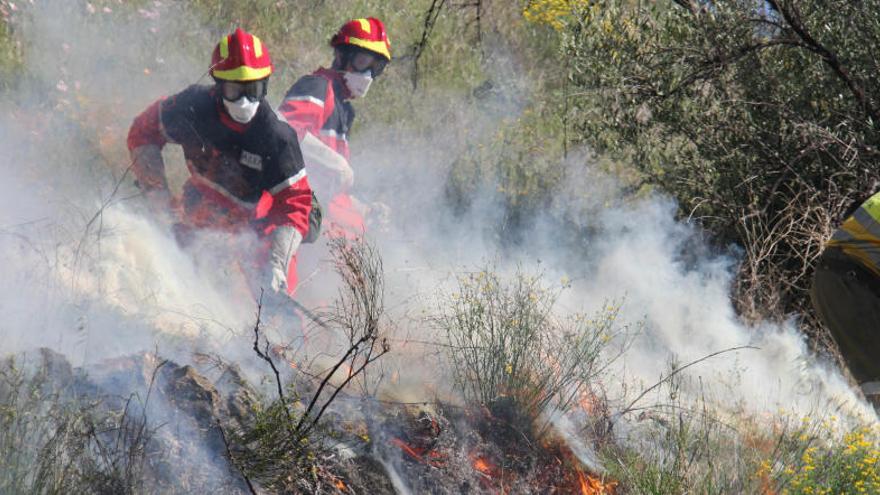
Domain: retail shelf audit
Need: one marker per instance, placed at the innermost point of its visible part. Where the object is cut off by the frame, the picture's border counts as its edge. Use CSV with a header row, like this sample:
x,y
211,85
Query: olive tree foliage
x,y
759,117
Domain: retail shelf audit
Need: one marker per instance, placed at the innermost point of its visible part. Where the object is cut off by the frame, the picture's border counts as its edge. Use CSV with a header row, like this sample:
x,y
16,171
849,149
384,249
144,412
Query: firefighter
x,y
846,294
318,107
246,168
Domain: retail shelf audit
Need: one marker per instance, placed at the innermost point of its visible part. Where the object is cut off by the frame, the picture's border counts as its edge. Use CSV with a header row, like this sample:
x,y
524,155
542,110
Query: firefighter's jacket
x,y
859,236
317,104
241,174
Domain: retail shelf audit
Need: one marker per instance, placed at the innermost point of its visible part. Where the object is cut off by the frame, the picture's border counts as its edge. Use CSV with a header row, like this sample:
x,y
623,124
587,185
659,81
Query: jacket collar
x,y
338,81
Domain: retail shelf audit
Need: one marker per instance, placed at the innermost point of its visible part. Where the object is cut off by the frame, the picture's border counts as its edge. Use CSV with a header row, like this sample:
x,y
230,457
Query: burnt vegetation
x,y
759,118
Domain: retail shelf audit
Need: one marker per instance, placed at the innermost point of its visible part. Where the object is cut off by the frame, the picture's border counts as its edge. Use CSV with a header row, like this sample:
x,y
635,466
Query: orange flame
x,y
594,486
484,466
406,448
435,459
339,484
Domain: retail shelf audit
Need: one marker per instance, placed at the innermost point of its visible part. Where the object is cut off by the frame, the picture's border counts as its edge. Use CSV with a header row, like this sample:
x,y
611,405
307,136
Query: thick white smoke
x,y
97,286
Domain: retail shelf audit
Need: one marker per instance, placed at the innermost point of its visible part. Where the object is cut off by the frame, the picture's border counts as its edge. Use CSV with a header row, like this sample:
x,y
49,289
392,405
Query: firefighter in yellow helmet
x,y
246,167
846,294
318,106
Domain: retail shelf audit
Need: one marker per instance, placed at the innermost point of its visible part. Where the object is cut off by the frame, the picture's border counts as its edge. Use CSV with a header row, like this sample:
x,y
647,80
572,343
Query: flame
x,y
435,459
406,448
340,484
484,466
591,485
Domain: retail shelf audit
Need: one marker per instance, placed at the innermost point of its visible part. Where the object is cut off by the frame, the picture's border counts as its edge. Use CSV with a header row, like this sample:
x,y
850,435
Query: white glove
x,y
285,242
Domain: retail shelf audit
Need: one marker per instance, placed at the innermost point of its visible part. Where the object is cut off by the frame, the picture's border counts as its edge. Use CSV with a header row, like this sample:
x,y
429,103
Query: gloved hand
x,y
285,242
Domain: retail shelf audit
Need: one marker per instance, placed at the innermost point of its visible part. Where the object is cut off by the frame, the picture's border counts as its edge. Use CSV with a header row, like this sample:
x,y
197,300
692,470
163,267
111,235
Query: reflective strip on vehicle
x,y
868,222
841,236
858,243
287,182
872,206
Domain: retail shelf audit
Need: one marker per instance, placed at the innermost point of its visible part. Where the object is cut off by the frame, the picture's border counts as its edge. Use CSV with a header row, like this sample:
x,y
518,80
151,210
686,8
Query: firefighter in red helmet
x,y
246,168
318,107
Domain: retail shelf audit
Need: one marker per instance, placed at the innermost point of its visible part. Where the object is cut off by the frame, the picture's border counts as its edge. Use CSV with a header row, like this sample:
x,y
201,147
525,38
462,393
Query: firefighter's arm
x,y
305,106
145,142
317,154
287,224
287,221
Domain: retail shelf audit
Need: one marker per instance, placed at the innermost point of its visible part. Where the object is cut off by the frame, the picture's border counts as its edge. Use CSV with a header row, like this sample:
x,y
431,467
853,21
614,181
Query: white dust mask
x,y
358,83
241,110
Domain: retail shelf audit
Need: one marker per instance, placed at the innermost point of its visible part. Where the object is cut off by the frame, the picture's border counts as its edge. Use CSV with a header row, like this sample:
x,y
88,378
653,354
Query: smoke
x,y
662,272
90,274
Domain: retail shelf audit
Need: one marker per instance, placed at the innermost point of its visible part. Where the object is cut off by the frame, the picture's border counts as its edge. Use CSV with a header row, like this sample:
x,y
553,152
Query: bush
x,y
677,447
848,464
10,49
277,446
508,348
53,443
759,117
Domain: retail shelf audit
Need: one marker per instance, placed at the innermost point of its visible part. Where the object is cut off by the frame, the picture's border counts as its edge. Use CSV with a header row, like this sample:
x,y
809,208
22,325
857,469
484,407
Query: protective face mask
x,y
358,83
241,110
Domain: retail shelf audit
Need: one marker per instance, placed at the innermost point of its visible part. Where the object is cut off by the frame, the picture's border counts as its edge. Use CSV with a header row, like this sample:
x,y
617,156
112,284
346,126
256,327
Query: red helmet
x,y
240,56
368,34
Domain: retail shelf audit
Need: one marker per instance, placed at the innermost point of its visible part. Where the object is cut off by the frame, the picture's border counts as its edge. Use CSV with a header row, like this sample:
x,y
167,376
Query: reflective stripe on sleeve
x,y
332,133
162,126
287,182
222,191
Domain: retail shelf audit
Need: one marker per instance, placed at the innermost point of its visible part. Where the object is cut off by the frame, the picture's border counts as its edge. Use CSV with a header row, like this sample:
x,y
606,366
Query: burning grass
x,y
512,353
278,447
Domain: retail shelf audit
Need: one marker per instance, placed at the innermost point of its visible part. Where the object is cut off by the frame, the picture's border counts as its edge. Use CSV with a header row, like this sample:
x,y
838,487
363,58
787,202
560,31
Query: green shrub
x,y
11,64
760,118
677,447
508,347
54,443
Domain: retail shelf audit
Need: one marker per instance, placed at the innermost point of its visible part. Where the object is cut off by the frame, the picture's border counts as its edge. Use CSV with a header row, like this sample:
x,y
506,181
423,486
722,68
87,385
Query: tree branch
x,y
792,17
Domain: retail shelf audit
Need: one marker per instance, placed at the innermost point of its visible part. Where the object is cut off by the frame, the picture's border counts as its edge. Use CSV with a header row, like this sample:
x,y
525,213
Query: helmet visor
x,y
362,61
253,90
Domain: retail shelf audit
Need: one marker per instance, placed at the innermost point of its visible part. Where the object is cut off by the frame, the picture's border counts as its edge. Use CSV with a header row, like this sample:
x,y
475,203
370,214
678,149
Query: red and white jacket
x,y
317,104
240,173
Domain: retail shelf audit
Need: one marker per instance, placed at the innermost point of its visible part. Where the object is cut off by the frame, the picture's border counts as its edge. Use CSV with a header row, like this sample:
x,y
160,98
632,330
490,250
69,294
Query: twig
x,y
266,357
676,371
232,458
430,20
